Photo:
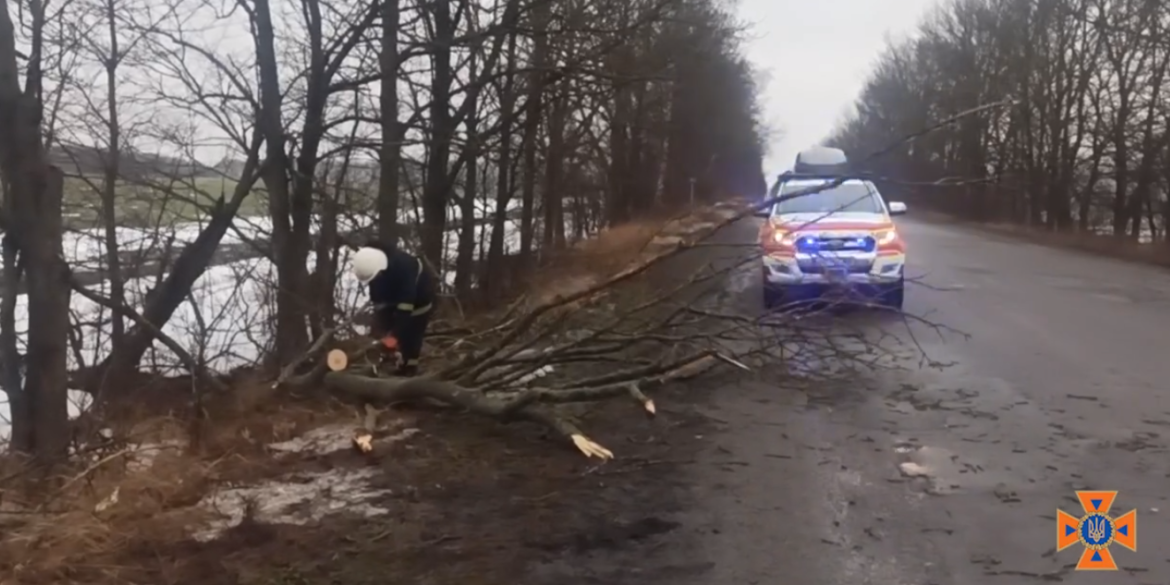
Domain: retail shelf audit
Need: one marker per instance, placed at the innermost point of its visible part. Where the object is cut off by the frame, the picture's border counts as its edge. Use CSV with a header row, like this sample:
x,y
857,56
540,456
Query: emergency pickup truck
x,y
828,232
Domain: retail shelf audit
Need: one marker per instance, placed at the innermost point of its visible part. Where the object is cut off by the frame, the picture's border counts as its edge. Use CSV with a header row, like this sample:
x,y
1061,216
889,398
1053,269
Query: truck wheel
x,y
894,297
772,297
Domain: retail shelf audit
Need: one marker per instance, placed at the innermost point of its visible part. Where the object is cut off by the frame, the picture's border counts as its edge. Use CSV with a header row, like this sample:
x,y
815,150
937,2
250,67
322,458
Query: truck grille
x,y
814,244
852,265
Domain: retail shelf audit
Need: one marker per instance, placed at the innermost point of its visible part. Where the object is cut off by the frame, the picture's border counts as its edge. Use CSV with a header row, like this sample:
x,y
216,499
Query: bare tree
x,y
1084,145
32,226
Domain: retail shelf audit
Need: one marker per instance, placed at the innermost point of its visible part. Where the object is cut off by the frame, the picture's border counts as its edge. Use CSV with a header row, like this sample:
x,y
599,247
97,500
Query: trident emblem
x,y
1097,528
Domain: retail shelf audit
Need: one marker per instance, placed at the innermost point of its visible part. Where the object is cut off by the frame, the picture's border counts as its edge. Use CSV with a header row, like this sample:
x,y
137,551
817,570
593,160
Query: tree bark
x,y
437,187
491,279
391,151
33,226
532,115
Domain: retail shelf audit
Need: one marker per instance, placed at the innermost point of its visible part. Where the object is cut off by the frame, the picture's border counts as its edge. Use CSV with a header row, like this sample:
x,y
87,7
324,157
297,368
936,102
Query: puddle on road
x,y
938,466
947,472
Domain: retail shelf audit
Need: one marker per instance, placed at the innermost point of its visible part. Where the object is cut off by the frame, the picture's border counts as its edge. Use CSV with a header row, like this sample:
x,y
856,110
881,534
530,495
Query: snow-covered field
x,y
84,248
226,321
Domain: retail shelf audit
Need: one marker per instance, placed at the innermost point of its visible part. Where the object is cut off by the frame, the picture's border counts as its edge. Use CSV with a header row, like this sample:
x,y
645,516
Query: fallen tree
x,y
529,361
541,355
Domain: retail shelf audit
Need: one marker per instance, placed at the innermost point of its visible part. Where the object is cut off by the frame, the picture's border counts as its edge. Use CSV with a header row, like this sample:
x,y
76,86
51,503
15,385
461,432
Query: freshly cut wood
x,y
363,441
337,360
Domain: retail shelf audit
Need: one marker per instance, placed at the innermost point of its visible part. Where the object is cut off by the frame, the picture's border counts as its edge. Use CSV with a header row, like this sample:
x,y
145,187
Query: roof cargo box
x,y
820,160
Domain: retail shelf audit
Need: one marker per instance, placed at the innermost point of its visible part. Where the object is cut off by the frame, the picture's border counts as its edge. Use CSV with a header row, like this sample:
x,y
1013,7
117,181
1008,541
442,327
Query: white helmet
x,y
368,262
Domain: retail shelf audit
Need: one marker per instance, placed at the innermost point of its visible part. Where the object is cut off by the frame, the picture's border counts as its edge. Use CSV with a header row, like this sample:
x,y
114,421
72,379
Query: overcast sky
x,y
814,56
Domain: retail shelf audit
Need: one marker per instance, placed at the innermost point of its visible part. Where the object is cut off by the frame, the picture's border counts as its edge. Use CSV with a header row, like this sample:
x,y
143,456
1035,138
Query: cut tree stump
x,y
337,360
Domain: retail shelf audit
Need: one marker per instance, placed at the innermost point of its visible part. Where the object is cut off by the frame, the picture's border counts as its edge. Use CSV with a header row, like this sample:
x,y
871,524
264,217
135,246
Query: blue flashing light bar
x,y
813,245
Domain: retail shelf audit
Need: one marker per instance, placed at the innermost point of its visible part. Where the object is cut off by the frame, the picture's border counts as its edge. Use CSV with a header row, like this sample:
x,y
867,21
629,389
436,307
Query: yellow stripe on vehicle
x,y
405,306
423,310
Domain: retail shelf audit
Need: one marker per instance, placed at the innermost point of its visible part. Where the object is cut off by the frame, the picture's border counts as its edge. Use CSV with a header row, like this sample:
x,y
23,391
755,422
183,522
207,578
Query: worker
x,y
402,293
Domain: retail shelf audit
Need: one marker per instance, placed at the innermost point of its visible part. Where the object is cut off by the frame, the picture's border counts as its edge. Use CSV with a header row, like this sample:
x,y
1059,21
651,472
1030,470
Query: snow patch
x,y
334,437
298,499
141,457
321,440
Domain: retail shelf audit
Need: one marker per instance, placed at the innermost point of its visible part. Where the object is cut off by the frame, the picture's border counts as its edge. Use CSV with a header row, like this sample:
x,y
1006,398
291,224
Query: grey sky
x,y
815,55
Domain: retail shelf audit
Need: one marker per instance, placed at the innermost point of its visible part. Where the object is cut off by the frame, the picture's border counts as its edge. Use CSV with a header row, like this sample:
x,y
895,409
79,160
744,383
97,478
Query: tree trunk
x,y
617,203
465,258
436,190
110,184
391,151
532,115
33,229
290,197
48,316
162,301
490,278
553,200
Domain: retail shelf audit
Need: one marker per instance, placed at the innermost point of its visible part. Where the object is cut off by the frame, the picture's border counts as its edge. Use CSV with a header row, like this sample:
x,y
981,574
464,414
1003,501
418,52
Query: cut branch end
x,y
590,449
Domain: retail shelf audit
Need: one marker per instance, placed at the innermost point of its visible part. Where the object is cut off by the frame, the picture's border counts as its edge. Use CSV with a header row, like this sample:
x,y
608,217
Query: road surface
x,y
1063,384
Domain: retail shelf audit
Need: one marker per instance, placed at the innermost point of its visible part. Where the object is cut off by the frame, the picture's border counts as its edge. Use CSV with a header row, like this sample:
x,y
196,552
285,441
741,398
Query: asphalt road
x,y
947,475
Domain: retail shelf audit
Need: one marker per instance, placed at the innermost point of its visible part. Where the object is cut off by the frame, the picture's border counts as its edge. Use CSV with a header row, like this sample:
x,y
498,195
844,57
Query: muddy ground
x,y
474,502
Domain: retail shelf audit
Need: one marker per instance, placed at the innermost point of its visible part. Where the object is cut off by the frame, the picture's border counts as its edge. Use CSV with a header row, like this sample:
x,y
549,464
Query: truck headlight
x,y
885,237
784,238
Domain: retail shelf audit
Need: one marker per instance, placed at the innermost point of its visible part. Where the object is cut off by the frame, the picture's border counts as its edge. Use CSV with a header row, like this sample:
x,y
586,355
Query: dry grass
x,y
597,259
85,540
592,260
72,535
614,249
142,488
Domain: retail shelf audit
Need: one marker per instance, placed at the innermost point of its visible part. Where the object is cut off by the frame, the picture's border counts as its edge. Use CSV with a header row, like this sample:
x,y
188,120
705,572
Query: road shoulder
x,y
1091,244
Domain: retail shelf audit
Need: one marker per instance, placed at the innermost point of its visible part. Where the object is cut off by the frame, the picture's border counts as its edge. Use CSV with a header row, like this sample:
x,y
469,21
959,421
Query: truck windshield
x,y
847,197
